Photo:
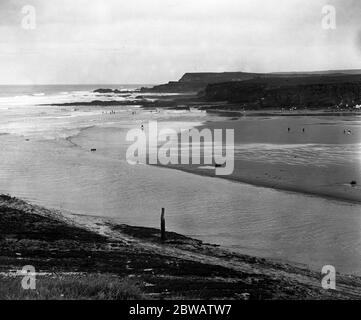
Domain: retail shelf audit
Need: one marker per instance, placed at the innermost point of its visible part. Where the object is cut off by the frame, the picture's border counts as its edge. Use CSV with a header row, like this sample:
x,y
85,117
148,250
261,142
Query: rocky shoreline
x,y
69,248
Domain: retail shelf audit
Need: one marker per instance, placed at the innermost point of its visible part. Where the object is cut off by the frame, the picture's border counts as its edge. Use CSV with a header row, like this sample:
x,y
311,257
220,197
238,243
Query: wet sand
x,y
332,182
322,160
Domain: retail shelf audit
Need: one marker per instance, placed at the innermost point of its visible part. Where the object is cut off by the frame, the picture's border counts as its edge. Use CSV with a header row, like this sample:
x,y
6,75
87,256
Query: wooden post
x,y
162,225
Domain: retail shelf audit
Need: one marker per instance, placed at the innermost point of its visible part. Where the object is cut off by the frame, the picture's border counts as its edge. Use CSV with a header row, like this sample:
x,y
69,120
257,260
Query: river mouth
x,y
49,162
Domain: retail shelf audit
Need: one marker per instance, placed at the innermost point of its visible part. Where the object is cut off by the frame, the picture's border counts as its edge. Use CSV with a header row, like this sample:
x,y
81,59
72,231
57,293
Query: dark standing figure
x,y
162,225
289,129
303,129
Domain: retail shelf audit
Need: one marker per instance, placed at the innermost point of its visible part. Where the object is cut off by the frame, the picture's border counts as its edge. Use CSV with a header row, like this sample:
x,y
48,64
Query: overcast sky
x,y
154,41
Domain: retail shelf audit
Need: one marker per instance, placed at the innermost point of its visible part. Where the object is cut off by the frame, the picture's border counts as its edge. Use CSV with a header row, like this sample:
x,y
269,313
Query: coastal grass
x,y
71,287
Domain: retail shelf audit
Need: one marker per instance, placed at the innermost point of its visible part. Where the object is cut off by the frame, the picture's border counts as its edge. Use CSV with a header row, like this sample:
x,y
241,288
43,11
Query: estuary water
x,y
45,158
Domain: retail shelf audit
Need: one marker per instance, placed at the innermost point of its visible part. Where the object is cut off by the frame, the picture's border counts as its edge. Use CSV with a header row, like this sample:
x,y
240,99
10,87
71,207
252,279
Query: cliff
x,y
300,92
196,82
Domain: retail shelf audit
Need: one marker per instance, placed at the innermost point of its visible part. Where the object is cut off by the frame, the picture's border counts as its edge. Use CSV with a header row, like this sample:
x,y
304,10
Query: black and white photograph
x,y
202,152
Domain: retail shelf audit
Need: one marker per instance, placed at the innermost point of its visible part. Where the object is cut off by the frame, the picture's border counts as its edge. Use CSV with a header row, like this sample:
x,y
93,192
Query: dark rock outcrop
x,y
107,91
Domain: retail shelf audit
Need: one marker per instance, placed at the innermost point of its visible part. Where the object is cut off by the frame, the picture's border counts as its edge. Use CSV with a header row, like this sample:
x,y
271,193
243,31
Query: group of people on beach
x,y
111,112
345,131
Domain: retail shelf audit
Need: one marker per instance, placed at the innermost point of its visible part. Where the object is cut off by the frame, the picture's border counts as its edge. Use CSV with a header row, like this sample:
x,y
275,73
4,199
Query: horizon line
x,y
77,84
188,72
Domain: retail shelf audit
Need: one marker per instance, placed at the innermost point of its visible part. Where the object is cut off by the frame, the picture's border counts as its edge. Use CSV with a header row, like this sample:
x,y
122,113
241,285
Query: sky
x,y
155,41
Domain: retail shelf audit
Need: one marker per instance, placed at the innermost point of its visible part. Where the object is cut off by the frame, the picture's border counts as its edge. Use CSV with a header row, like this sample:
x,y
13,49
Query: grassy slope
x,y
94,258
